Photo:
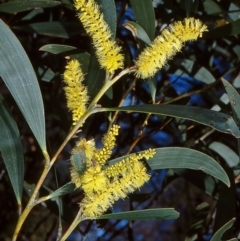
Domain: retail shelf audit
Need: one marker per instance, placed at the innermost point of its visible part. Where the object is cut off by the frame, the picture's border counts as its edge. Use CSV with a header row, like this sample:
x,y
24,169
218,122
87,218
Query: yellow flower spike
x,y
76,92
107,51
103,186
95,205
76,179
103,154
94,180
99,196
125,166
140,175
154,57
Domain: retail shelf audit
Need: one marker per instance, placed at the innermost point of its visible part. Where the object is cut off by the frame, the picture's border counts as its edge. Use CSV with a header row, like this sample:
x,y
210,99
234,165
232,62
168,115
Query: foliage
x,y
186,108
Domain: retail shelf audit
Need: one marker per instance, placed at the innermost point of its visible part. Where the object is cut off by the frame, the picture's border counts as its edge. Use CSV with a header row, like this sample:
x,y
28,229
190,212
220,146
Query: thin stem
x,y
71,134
46,156
19,209
74,224
49,163
121,102
108,83
31,203
94,109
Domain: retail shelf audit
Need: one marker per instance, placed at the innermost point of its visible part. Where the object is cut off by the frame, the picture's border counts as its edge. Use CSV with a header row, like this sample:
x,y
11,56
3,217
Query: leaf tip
x,y
228,183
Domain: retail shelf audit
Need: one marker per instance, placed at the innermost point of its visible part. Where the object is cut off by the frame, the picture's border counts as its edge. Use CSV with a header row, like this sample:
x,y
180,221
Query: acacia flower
x,y
96,203
125,166
171,40
103,185
107,51
94,180
103,154
76,92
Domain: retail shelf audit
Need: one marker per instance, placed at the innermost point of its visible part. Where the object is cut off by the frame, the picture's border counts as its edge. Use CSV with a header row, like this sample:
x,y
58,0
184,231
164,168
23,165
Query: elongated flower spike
x,y
102,185
123,178
103,154
171,40
107,51
76,92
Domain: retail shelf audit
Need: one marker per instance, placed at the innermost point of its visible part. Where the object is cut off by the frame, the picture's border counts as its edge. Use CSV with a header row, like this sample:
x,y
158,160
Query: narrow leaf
x,y
108,8
197,225
144,14
57,48
137,31
204,75
192,68
152,84
67,188
69,52
21,6
79,162
226,205
224,31
11,149
179,157
233,11
148,214
45,73
191,7
54,29
211,7
84,60
199,179
218,235
29,188
234,99
55,206
217,120
18,75
230,157
95,76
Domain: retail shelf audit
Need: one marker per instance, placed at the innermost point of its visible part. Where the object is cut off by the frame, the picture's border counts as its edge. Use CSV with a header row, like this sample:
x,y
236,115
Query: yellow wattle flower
x,y
103,154
171,40
94,180
107,51
125,166
76,92
102,185
96,203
